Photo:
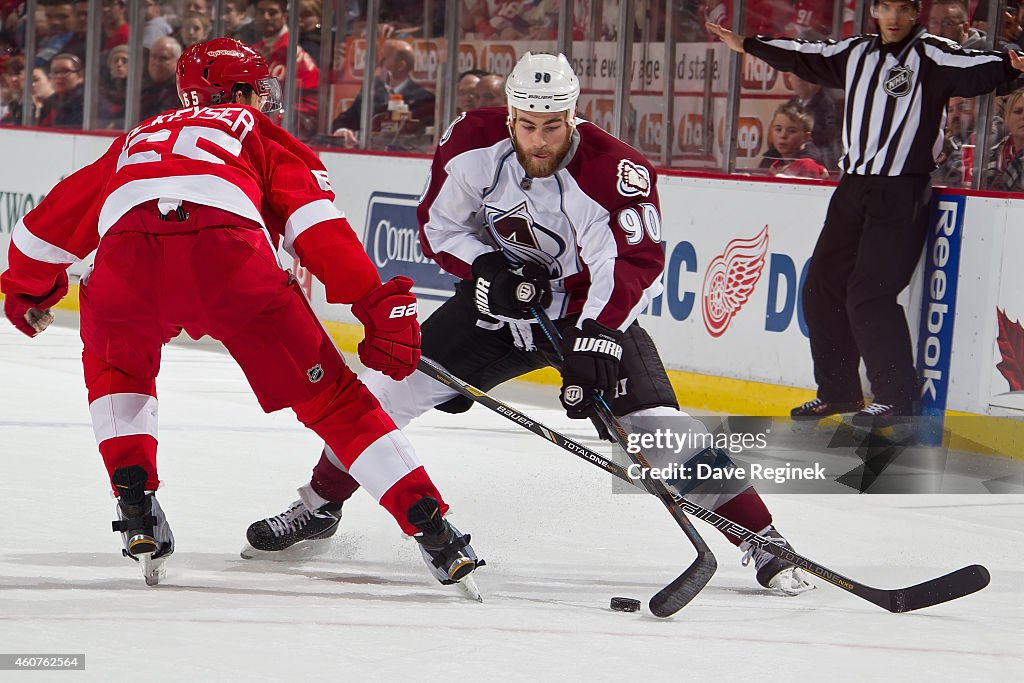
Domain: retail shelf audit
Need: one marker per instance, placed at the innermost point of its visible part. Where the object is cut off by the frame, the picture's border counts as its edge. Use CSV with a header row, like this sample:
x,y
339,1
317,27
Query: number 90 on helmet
x,y
209,73
542,83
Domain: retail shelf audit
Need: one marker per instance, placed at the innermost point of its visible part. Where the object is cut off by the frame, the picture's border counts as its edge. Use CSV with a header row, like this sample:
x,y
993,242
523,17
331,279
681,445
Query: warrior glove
x,y
506,291
31,314
591,364
392,342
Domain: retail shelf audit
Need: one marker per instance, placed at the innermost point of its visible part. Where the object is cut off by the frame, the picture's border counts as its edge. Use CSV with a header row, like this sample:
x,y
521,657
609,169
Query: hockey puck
x,y
625,605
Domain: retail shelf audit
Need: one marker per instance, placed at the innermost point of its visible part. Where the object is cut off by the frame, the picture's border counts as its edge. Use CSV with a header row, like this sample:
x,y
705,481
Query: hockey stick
x,y
948,587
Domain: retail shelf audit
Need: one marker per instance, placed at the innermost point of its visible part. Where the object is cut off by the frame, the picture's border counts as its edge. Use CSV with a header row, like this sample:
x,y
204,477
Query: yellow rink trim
x,y
974,433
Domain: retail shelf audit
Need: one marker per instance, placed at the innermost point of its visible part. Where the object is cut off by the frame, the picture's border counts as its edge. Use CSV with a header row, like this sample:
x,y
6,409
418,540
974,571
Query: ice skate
x,y
141,521
776,574
446,551
273,535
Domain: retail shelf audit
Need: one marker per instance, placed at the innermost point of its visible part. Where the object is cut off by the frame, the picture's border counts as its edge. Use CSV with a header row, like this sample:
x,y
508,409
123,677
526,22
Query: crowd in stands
x,y
803,137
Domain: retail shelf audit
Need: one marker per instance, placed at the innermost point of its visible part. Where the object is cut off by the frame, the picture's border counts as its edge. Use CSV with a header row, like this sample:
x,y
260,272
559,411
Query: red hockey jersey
x,y
229,157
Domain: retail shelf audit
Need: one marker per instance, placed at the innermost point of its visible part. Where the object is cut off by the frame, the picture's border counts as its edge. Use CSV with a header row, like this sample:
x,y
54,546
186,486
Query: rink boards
x,y
733,344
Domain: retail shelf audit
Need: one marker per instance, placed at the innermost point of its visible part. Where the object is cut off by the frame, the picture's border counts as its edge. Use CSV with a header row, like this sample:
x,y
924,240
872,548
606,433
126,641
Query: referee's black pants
x,y
866,254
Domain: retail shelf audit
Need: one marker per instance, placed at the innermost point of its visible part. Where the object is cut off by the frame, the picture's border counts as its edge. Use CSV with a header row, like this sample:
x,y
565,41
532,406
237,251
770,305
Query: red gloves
x,y
17,305
388,314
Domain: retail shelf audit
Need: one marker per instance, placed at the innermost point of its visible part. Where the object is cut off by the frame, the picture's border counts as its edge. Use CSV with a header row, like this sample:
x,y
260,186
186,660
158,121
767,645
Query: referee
x,y
897,84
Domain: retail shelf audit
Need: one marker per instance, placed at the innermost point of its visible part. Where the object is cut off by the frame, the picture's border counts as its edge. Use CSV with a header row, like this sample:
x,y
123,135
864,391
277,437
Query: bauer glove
x,y
31,314
506,291
591,364
392,342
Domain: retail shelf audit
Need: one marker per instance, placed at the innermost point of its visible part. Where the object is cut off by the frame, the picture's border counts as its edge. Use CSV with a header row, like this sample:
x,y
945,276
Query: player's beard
x,y
542,168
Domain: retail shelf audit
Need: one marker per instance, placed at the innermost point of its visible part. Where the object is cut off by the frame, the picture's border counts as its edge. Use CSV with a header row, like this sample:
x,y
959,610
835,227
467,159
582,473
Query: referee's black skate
x,y
141,522
446,551
774,573
298,523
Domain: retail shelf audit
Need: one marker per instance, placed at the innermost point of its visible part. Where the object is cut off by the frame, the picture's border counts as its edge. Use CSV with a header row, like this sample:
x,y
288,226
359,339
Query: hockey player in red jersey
x,y
532,206
185,213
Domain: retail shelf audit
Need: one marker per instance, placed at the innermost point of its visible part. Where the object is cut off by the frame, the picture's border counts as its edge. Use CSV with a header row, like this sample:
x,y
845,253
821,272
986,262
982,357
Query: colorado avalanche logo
x,y
634,180
523,239
898,81
730,280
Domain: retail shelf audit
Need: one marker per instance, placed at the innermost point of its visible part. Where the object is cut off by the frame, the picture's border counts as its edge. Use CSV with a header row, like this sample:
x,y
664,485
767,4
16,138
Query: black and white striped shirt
x,y
896,93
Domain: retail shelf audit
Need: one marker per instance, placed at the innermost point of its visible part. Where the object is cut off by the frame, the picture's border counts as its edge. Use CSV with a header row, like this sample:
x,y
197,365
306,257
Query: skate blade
x,y
469,588
152,569
300,551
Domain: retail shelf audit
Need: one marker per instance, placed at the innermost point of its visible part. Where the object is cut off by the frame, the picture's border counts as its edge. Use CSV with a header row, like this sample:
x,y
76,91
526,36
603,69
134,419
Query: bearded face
x,y
541,140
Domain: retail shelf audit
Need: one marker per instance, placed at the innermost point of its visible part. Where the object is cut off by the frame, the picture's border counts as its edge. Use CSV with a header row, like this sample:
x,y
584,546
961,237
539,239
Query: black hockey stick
x,y
948,587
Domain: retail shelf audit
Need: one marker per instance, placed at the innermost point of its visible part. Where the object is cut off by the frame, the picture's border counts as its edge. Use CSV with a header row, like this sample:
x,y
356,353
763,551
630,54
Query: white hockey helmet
x,y
542,83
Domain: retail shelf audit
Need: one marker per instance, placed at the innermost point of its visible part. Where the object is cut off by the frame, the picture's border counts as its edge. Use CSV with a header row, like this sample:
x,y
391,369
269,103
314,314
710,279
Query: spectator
x,y
12,82
195,28
948,18
490,91
394,76
62,23
1005,168
42,94
115,25
67,104
156,25
270,21
310,12
826,113
114,89
237,22
792,153
198,6
159,93
465,91
959,131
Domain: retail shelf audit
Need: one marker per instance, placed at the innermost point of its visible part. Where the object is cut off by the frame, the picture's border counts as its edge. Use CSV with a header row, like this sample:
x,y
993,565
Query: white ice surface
x,y
558,543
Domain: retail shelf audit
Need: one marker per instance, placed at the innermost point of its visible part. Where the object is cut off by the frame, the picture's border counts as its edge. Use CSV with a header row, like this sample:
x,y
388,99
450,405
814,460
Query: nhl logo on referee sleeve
x,y
898,81
315,373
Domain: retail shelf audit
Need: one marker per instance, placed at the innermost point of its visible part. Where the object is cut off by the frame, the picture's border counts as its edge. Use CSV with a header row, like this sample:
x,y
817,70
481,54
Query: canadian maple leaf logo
x,y
1011,347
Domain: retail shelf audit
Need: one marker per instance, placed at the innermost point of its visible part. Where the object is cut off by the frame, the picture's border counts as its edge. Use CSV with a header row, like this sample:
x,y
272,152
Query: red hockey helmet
x,y
207,73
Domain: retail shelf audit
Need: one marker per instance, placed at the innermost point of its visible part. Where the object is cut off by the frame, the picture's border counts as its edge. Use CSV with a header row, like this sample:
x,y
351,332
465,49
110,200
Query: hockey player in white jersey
x,y
532,206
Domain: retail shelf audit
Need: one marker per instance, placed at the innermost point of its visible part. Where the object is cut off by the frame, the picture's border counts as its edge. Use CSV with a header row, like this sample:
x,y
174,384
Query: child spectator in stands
x,y
114,89
826,112
792,153
195,28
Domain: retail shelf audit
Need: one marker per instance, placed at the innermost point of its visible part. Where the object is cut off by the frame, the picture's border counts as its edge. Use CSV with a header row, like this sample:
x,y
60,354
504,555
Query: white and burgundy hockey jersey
x,y
594,225
228,157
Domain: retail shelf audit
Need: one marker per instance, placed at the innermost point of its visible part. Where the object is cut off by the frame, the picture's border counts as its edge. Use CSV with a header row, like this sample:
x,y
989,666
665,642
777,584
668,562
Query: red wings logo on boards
x,y
730,280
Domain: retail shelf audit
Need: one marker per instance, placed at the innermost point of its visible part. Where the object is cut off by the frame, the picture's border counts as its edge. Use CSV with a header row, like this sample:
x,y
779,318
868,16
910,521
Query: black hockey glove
x,y
591,364
504,291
